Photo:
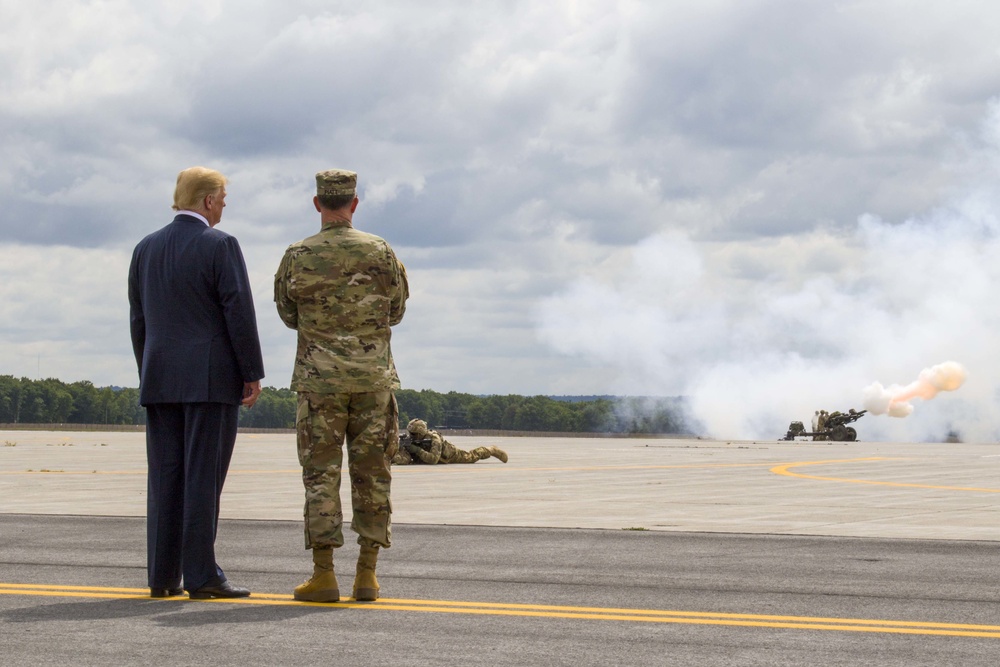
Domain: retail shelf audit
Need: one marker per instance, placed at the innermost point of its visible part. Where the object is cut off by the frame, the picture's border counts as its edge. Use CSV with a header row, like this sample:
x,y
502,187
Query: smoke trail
x,y
895,400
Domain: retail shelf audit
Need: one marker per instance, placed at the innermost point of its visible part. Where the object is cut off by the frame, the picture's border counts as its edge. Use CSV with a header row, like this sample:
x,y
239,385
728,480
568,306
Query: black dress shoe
x,y
223,590
165,592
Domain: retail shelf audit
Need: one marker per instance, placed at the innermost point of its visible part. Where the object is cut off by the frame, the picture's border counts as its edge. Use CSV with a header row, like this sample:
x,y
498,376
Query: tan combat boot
x,y
365,583
322,587
479,454
499,453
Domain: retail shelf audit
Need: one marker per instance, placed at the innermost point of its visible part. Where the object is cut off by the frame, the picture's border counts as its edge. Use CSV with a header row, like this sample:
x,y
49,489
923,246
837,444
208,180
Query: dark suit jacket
x,y
194,330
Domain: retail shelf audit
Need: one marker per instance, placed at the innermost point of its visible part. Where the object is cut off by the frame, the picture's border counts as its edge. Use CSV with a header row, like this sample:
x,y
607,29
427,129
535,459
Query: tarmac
x,y
896,490
577,551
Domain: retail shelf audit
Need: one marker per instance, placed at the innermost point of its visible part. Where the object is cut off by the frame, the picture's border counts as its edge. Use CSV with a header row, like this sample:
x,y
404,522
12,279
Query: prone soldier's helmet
x,y
417,427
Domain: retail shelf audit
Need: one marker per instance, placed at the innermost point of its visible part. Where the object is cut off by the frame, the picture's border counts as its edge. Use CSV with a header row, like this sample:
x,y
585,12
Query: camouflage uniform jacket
x,y
341,290
441,451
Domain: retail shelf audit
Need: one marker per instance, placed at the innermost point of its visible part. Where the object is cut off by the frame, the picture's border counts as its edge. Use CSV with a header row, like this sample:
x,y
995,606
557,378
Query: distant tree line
x,y
541,413
52,401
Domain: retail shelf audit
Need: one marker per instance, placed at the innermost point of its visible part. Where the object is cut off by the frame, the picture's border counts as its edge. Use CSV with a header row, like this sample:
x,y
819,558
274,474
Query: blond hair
x,y
194,184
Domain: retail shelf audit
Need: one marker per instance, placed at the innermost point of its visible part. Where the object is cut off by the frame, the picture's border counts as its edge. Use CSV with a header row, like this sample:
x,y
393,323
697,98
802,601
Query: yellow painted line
x,y
459,468
546,611
689,466
135,472
785,469
75,594
454,468
72,472
71,589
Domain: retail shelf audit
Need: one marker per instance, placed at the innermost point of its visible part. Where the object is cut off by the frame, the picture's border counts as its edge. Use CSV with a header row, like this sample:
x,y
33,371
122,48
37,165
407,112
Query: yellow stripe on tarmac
x,y
544,611
72,472
689,466
136,472
455,469
785,469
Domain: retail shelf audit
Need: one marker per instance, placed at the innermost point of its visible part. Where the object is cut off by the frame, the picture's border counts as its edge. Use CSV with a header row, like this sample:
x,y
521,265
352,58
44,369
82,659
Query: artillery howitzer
x,y
835,428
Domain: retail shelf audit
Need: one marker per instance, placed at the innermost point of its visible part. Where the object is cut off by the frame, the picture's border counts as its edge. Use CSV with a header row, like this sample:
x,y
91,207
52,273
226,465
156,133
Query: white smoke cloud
x,y
760,333
895,399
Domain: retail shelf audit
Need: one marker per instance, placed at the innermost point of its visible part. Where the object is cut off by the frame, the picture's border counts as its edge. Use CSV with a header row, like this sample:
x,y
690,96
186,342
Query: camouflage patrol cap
x,y
418,426
336,182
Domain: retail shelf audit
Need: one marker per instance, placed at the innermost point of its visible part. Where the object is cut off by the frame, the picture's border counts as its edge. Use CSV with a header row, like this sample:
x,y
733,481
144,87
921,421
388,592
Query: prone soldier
x,y
423,445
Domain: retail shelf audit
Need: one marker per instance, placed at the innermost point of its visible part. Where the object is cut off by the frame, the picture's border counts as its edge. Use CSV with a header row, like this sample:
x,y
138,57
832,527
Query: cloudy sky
x,y
764,206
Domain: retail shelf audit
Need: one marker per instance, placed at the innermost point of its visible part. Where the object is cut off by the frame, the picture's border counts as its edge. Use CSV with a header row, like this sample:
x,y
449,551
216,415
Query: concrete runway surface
x,y
576,552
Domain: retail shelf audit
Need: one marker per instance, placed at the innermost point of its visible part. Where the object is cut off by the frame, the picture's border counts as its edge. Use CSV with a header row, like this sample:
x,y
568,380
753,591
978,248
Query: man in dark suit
x,y
194,334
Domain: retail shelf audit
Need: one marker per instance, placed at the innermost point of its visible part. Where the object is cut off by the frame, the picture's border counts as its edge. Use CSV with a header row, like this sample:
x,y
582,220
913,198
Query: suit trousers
x,y
188,450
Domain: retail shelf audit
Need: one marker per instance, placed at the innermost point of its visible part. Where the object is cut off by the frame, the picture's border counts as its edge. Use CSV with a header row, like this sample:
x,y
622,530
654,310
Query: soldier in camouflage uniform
x,y
342,289
821,424
432,448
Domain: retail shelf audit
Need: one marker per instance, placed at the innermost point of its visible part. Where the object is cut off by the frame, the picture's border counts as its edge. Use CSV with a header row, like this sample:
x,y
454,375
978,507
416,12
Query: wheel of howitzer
x,y
852,434
840,434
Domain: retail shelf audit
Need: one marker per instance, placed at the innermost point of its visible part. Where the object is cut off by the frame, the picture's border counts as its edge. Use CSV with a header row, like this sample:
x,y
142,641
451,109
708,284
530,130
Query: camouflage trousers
x,y
370,424
461,456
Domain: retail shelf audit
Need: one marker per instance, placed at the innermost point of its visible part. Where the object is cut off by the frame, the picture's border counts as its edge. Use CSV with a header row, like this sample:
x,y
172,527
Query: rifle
x,y
423,443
